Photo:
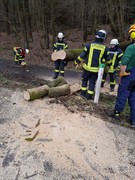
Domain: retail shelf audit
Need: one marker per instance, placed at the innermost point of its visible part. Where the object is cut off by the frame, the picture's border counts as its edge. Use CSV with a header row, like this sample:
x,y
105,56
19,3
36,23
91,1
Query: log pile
x,y
55,88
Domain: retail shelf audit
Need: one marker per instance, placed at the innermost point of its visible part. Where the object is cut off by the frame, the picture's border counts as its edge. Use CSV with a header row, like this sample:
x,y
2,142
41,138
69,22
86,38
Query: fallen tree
x,y
59,91
55,88
72,54
67,54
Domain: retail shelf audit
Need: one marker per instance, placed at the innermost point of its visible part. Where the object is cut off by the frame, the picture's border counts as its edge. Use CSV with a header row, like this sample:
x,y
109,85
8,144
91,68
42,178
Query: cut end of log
x,y
26,95
58,55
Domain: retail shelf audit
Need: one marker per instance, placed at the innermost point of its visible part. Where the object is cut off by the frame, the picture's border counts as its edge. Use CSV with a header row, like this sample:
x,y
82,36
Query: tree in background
x,y
48,17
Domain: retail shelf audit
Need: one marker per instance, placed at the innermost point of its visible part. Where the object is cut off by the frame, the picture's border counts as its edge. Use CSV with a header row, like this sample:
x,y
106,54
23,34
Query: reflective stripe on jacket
x,y
93,55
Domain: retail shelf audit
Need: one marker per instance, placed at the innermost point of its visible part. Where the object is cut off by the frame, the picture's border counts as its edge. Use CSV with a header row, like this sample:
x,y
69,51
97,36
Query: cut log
x,y
72,54
67,54
59,91
57,82
74,88
58,55
36,93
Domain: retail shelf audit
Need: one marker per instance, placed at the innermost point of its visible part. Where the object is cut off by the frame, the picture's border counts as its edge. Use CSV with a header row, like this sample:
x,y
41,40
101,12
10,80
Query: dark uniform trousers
x,y
90,77
59,67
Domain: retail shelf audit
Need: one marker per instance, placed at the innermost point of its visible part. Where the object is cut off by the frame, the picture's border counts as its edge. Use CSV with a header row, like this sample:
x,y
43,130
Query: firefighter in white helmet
x,y
116,54
19,54
60,44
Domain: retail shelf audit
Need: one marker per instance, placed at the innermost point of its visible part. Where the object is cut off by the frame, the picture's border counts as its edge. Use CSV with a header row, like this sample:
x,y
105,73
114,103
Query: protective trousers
x,y
124,94
112,77
59,67
88,79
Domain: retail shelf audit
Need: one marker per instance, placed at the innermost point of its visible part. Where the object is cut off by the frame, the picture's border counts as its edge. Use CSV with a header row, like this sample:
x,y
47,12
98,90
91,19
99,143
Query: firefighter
x,y
92,55
60,44
19,54
116,55
126,89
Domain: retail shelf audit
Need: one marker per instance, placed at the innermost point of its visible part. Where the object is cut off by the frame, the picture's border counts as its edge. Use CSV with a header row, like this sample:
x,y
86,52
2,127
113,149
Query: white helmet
x,y
114,42
27,51
101,34
60,35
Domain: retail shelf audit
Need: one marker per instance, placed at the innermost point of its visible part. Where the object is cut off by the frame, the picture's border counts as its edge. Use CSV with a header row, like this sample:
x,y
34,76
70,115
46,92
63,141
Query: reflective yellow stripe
x,y
113,83
79,58
90,92
83,88
92,69
120,55
111,69
56,70
61,71
93,47
55,45
85,49
60,44
65,46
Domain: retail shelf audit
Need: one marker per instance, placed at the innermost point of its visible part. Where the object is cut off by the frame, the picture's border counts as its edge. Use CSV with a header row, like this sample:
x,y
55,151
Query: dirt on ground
x,y
60,138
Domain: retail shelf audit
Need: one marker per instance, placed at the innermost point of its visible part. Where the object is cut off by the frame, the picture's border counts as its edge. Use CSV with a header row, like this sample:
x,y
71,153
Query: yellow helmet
x,y
132,28
132,35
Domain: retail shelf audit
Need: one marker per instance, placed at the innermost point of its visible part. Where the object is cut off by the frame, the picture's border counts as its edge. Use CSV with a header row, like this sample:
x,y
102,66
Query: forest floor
x,y
76,138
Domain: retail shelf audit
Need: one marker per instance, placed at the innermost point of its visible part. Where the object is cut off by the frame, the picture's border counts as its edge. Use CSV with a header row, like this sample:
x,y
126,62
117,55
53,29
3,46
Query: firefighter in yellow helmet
x,y
126,89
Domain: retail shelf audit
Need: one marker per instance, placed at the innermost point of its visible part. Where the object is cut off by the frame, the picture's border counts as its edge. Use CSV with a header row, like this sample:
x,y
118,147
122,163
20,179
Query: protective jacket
x,y
59,45
59,64
19,53
93,55
115,55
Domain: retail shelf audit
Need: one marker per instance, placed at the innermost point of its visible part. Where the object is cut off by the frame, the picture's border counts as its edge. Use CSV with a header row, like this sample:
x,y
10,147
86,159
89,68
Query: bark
x,y
59,91
71,54
36,93
57,82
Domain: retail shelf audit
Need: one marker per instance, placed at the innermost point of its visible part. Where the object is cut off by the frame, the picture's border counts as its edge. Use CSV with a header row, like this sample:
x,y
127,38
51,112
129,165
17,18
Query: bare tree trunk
x,y
28,20
85,20
6,6
53,27
45,24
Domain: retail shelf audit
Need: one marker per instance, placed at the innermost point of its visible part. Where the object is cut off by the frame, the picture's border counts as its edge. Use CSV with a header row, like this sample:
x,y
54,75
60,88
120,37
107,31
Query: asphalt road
x,y
41,72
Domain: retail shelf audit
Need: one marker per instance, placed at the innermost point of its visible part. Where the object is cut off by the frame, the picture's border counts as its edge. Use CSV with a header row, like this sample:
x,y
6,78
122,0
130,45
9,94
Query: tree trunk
x,y
57,82
71,54
35,93
59,91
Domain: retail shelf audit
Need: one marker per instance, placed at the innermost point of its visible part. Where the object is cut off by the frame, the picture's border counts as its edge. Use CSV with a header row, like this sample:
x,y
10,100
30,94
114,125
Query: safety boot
x,y
115,115
55,77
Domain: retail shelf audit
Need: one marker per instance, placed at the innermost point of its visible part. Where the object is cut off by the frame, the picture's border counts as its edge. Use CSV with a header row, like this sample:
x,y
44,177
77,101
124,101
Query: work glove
x,y
124,74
